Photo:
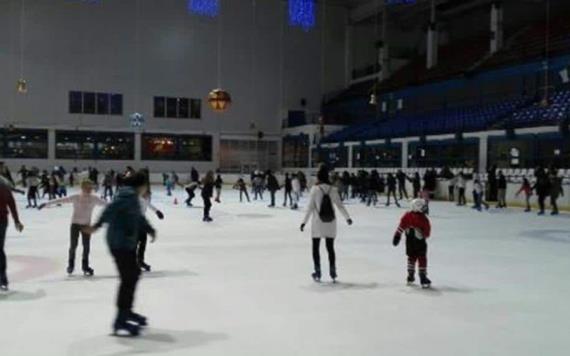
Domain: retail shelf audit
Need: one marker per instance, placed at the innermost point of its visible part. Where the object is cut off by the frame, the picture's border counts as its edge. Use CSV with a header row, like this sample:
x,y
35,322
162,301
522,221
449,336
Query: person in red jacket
x,y
417,227
7,205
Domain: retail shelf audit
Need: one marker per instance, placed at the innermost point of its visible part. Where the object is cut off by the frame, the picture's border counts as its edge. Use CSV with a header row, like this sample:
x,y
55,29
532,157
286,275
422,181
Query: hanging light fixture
x,y
373,98
219,99
22,84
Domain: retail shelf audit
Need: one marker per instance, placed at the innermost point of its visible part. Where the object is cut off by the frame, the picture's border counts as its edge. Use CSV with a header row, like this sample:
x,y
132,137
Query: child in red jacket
x,y
526,188
417,228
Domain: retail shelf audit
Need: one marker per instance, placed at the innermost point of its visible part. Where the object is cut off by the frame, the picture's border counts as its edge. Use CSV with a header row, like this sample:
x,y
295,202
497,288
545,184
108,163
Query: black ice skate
x,y
411,278
4,288
333,274
316,276
69,270
145,267
123,328
88,272
424,281
138,319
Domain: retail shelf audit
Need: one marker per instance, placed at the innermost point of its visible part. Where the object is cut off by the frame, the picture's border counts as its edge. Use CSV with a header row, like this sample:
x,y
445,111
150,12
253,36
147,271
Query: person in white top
x,y
322,198
83,205
296,186
141,247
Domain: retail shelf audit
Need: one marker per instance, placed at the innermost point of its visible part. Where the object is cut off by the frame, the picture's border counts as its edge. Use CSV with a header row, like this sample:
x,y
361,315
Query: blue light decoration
x,y
136,120
208,8
302,14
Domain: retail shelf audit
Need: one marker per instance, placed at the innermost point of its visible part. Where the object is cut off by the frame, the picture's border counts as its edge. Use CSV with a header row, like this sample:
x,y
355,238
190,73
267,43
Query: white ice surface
x,y
241,286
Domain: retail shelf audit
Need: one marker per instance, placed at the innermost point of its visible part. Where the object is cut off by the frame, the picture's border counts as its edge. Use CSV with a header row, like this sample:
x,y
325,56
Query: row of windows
x,y
81,145
95,103
177,108
112,104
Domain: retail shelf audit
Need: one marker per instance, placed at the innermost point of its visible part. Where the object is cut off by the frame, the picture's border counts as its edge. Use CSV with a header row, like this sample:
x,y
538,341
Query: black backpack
x,y
326,212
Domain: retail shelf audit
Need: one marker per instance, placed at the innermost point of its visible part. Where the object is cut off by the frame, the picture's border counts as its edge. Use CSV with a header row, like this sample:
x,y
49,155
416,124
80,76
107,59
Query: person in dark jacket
x,y
492,182
416,184
194,175
501,191
207,193
373,182
7,206
391,182
125,222
556,190
402,177
218,183
272,186
288,190
542,188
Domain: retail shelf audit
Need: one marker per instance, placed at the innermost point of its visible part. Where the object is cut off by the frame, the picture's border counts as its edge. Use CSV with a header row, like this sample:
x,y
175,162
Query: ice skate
x,y
333,274
123,328
69,270
144,267
88,272
411,278
316,276
4,289
424,281
138,319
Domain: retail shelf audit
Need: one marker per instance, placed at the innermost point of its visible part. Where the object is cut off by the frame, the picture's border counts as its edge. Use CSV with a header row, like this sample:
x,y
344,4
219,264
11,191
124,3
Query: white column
x,y
483,152
51,144
496,27
350,156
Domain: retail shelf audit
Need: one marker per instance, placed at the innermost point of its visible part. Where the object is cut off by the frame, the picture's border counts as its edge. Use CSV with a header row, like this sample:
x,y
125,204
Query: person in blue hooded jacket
x,y
125,221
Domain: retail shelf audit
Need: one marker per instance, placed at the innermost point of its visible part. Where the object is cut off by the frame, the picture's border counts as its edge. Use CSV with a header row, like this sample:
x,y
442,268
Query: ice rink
x,y
241,286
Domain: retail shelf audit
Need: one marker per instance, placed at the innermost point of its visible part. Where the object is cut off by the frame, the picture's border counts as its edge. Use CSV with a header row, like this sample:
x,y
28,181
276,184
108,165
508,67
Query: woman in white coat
x,y
320,229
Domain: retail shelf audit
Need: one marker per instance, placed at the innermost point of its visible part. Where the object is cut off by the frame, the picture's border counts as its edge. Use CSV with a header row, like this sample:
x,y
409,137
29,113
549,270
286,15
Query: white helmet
x,y
419,205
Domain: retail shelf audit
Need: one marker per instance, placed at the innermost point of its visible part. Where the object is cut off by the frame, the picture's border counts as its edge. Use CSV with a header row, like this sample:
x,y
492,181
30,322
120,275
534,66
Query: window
x,y
95,103
296,151
166,147
94,145
177,108
20,143
377,156
450,153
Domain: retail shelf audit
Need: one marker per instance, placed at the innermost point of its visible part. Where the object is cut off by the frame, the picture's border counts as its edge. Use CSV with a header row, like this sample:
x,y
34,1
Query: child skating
x,y
416,225
7,207
83,205
125,222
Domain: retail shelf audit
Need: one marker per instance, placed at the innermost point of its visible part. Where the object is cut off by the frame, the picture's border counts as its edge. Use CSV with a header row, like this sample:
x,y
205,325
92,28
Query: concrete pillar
x,y
405,153
138,148
496,27
51,144
350,156
432,40
483,152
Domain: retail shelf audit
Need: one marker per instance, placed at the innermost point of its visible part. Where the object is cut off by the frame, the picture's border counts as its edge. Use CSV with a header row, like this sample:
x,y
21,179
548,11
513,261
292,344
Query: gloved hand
x,y
160,214
302,227
349,222
397,238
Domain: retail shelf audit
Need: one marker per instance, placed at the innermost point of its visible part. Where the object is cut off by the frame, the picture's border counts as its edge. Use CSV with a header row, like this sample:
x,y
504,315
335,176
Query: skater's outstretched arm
x,y
66,200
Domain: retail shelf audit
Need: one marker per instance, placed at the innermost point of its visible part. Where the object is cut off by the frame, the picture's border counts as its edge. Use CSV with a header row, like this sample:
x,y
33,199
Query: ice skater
x,y
218,183
207,193
321,208
416,225
288,188
479,196
391,183
125,222
83,206
190,189
272,186
242,187
33,183
7,206
143,234
296,187
526,189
